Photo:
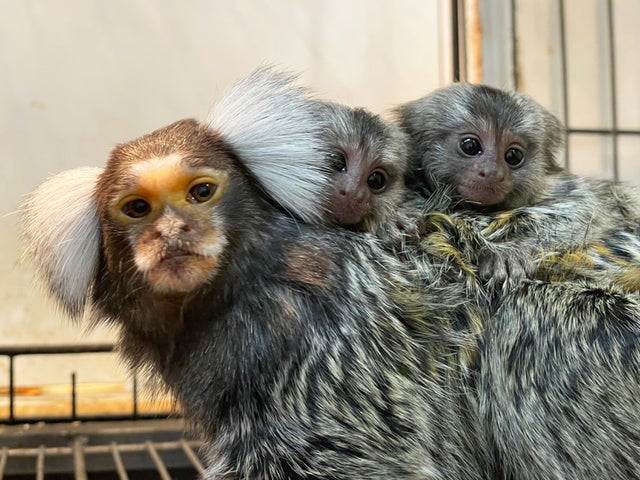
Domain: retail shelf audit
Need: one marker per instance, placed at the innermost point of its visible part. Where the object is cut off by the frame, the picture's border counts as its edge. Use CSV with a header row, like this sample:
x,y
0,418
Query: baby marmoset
x,y
496,150
323,162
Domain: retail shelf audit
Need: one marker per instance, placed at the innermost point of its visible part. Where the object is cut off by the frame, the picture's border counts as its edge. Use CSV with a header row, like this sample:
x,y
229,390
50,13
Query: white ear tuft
x,y
275,128
61,228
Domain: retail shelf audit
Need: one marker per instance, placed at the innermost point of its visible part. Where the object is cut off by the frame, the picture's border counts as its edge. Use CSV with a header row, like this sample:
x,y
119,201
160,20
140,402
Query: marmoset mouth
x,y
179,270
176,254
482,195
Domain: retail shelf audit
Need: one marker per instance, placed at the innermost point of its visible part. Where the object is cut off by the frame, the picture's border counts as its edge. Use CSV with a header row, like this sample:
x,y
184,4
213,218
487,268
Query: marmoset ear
x,y
275,127
61,228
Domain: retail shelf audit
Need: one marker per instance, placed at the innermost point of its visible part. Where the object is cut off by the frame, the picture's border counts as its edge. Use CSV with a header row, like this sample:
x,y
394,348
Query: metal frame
x,y
105,445
614,132
13,352
511,75
100,448
80,453
457,40
494,18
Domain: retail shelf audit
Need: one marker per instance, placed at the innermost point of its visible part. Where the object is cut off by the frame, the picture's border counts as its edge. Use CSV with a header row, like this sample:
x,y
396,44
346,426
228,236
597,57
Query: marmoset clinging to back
x,y
559,360
497,149
321,161
369,158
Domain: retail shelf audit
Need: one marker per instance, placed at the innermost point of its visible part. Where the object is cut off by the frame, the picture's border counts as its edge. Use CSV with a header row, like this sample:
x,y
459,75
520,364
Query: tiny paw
x,y
500,267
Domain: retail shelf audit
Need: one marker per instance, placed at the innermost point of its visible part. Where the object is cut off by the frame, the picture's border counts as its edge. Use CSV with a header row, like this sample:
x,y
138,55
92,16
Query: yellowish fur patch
x,y
166,182
630,279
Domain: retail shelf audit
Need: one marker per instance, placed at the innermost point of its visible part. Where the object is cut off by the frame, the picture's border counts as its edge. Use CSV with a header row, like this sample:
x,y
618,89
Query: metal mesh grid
x,y
119,445
73,351
123,450
613,132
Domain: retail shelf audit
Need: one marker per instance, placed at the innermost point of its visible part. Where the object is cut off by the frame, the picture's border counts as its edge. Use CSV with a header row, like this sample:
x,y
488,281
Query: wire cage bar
x,y
614,132
117,445
504,65
83,450
12,352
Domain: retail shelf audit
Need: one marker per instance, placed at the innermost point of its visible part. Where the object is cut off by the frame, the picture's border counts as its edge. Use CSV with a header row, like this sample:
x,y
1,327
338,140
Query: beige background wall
x,y
78,76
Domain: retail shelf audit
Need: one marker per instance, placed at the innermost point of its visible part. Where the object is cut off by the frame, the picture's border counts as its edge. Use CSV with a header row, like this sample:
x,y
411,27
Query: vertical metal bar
x,y
472,42
614,89
455,39
3,460
79,468
40,463
565,81
73,396
162,470
12,392
193,458
514,48
117,459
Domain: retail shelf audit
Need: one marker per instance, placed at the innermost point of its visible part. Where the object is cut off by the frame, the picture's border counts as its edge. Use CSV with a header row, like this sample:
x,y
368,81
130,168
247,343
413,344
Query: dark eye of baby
x,y
514,157
470,146
377,181
338,161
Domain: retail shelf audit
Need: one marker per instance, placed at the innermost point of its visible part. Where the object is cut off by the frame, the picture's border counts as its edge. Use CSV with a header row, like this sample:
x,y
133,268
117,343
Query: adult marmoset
x,y
298,351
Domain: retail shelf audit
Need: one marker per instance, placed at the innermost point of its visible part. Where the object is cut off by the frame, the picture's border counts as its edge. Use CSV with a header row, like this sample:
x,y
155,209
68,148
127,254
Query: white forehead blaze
x,y
158,166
